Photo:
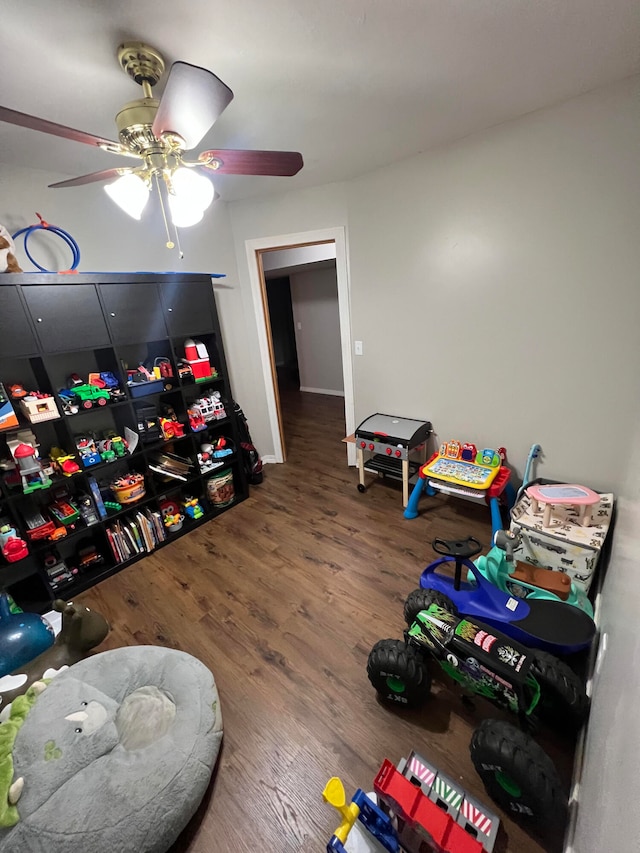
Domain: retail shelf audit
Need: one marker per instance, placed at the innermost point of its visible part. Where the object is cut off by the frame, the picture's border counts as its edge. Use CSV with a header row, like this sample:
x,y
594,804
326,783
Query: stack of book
x,y
138,533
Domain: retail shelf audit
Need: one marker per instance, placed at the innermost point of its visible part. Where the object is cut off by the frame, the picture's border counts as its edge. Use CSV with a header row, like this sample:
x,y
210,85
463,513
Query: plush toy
x,y
82,630
8,261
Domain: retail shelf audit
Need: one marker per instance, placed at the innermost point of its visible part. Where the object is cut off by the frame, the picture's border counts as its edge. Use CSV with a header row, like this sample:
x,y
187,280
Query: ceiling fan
x,y
159,132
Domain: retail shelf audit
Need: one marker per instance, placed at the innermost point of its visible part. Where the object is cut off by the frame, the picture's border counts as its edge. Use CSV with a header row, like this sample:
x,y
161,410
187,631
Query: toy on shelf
x,y
163,369
112,448
107,380
13,547
128,488
211,455
8,419
192,508
522,580
579,500
30,468
220,489
172,517
463,471
17,391
38,527
90,395
38,407
148,424
23,636
533,685
63,463
169,423
68,401
62,509
87,450
59,575
196,419
86,508
88,555
197,357
184,371
542,623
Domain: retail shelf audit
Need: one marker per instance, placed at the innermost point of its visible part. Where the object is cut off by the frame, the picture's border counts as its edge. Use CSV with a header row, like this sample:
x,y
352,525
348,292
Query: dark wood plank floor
x,y
282,597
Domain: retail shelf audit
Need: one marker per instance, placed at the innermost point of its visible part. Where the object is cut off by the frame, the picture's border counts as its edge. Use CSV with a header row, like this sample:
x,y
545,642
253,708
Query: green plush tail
x,y
20,707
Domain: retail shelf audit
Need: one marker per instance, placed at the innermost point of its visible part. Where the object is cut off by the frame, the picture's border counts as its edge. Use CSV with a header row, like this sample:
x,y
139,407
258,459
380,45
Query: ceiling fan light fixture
x,y
184,214
191,188
130,193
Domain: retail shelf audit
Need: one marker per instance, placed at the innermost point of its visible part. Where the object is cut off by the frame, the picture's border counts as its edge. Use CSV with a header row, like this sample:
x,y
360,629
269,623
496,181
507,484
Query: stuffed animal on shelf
x,y
8,261
82,630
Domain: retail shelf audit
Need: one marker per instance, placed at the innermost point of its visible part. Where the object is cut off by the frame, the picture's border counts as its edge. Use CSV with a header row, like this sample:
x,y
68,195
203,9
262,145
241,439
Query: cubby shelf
x,y
109,322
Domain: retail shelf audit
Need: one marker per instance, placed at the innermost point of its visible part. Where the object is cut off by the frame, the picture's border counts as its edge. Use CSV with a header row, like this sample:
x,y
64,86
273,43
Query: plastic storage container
x,y
220,490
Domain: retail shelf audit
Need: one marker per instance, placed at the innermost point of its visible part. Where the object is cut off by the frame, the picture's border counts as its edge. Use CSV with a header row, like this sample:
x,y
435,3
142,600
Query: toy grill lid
x,y
392,429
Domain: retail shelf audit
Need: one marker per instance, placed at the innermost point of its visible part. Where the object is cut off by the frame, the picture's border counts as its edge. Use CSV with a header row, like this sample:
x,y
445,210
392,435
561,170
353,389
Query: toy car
x,y
533,685
89,394
546,624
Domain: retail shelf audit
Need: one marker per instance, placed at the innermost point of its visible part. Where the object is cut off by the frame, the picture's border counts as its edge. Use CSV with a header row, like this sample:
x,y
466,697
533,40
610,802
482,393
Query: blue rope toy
x,y
68,239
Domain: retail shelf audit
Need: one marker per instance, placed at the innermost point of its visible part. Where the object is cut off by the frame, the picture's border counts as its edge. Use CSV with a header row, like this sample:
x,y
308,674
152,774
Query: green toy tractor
x,y
90,394
533,685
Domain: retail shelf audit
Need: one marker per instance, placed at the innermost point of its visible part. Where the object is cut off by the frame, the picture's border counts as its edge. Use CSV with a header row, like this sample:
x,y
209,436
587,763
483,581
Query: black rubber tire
x,y
421,599
563,702
498,750
361,488
402,664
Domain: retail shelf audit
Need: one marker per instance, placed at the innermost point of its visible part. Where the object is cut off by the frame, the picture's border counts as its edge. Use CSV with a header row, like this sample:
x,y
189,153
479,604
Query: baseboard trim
x,y
322,391
269,460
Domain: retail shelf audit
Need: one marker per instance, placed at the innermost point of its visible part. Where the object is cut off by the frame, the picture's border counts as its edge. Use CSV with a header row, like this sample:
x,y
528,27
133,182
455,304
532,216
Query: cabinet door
x,y
17,338
189,307
134,312
67,316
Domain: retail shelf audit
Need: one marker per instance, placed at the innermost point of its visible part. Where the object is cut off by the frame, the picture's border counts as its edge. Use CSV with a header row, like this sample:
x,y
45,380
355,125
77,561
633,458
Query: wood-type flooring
x,y
282,597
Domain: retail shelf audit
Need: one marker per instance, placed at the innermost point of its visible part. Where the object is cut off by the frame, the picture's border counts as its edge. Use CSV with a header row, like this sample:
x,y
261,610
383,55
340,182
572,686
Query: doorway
x,y
257,253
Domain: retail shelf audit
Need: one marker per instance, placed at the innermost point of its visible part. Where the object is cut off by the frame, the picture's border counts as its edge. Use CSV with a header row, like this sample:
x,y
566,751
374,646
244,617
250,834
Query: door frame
x,y
254,250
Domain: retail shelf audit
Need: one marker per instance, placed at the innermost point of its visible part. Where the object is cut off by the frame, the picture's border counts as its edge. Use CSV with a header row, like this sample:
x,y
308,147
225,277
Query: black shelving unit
x,y
53,326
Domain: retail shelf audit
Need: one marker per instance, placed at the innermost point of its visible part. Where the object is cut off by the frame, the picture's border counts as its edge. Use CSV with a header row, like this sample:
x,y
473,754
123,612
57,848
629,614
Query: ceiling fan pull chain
x,y
170,244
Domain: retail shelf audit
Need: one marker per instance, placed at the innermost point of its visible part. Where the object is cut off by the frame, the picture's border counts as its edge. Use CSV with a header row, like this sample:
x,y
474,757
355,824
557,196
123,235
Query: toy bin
x,y
220,490
564,546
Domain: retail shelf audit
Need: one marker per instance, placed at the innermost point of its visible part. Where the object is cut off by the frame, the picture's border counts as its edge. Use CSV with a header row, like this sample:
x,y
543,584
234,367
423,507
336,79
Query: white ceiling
x,y
352,84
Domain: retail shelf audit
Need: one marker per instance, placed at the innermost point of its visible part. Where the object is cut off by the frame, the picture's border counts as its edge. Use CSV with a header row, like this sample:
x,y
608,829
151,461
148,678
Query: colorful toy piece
x,y
541,623
13,547
526,581
462,471
8,418
361,809
23,637
38,407
63,463
30,468
88,395
192,508
580,498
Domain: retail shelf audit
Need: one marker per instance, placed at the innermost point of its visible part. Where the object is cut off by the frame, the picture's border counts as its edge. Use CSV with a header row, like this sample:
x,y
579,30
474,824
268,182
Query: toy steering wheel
x,y
463,548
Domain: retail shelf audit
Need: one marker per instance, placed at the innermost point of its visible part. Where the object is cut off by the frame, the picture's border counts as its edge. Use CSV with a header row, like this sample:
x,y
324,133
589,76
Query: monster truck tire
x,y
563,701
518,774
398,673
421,599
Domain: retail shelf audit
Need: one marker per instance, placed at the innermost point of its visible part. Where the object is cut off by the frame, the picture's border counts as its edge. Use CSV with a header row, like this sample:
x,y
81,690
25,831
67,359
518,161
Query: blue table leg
x,y
412,507
496,518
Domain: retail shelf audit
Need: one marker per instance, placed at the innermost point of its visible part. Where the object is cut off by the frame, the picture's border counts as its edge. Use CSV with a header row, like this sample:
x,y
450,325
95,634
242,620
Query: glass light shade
x,y
184,213
130,193
190,187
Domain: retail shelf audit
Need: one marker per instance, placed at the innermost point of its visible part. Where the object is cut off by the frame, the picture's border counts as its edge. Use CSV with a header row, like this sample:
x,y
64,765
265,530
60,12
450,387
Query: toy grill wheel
x,y
518,774
398,673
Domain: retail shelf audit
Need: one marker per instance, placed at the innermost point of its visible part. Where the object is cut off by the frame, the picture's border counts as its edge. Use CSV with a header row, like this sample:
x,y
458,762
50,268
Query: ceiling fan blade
x,y
44,126
104,175
237,162
192,100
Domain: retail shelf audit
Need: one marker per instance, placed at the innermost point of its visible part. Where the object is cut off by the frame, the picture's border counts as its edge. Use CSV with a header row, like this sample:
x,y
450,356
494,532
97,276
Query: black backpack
x,y
250,457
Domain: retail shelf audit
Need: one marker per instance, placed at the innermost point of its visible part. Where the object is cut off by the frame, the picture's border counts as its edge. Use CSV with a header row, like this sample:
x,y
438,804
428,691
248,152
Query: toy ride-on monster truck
x,y
532,684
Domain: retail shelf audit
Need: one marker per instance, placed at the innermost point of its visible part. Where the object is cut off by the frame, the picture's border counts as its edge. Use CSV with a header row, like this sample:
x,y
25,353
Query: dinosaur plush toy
x,y
82,630
8,261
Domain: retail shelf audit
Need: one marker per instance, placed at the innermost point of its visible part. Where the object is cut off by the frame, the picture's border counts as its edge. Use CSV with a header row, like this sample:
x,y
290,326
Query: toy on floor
x,y
523,580
540,623
461,470
82,630
533,685
23,636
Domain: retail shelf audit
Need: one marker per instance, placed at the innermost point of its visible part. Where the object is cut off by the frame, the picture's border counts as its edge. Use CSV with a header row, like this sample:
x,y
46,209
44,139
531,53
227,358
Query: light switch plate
x,y
357,347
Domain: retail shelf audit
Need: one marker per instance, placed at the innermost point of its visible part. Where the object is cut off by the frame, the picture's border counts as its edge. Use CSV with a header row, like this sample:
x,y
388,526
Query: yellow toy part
x,y
334,795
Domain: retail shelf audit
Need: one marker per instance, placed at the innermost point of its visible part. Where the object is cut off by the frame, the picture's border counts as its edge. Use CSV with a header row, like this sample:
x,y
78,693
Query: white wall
x,y
316,317
608,816
494,283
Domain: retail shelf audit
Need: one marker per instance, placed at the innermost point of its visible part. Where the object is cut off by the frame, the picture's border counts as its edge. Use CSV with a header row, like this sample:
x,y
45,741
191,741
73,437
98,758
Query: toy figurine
x,y
192,508
196,419
87,450
30,469
63,463
13,547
